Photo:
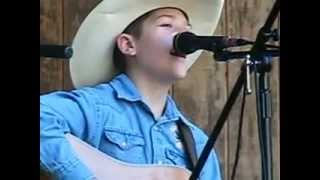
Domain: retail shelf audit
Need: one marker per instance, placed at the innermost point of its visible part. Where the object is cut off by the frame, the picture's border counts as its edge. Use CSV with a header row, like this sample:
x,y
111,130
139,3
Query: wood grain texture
x,y
245,18
50,33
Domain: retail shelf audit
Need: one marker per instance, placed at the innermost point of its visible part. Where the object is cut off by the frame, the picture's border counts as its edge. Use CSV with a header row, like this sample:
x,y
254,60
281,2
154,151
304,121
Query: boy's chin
x,y
180,75
175,76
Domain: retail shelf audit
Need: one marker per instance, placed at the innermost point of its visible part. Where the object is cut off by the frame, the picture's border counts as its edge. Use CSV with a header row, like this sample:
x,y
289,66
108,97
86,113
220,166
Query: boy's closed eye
x,y
166,25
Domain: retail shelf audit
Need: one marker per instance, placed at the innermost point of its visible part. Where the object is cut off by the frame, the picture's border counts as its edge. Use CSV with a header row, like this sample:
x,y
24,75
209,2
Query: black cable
x,y
235,165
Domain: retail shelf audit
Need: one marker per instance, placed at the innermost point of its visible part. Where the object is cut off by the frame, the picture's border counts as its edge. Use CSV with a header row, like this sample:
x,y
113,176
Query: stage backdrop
x,y
202,94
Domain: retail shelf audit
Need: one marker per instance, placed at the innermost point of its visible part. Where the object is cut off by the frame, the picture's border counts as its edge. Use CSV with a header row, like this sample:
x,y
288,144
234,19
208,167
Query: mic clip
x,y
248,72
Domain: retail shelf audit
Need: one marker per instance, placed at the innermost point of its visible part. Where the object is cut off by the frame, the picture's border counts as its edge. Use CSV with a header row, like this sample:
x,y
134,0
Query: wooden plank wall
x,y
202,94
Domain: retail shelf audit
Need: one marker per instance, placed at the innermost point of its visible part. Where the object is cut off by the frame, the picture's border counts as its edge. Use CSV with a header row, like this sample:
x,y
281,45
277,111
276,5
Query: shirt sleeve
x,y
211,169
66,112
214,166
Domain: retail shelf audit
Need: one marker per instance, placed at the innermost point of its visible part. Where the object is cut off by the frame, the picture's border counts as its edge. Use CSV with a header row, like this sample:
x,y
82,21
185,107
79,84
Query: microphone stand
x,y
56,51
258,59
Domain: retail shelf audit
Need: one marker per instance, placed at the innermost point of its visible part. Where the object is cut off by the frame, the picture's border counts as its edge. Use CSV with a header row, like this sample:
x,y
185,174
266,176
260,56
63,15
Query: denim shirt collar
x,y
126,89
173,112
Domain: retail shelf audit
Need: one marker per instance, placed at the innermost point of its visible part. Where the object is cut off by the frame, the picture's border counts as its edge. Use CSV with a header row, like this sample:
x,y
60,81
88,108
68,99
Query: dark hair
x,y
135,29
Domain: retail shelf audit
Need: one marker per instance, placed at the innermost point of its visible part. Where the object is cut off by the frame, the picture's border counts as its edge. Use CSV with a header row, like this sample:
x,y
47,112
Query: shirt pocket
x,y
177,158
124,145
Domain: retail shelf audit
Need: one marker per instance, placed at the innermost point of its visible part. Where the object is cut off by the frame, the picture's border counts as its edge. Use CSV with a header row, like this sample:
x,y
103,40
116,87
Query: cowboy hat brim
x,y
94,41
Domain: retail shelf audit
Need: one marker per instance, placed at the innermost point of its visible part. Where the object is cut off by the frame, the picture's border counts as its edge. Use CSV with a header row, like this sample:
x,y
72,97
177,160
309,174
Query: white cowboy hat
x,y
94,42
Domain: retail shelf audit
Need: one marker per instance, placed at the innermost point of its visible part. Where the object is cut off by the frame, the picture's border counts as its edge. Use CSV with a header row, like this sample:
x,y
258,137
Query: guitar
x,y
105,167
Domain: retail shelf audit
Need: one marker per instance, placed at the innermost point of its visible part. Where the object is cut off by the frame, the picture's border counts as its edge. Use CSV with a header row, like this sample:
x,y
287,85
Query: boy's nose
x,y
182,28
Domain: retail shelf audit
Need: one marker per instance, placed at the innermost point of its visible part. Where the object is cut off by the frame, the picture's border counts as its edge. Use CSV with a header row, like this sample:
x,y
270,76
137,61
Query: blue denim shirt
x,y
114,118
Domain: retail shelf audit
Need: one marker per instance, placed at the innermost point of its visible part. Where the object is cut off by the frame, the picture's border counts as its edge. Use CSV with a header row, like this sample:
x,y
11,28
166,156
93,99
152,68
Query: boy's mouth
x,y
175,53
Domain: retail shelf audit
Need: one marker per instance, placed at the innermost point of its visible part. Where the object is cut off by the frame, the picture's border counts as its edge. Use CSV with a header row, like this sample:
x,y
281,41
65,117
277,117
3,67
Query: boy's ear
x,y
126,44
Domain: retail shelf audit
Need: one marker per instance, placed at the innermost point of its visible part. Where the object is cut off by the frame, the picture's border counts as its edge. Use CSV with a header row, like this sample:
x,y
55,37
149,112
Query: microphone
x,y
56,51
188,42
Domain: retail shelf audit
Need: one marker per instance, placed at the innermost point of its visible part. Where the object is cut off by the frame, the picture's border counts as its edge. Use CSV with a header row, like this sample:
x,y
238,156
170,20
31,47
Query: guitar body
x,y
107,168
